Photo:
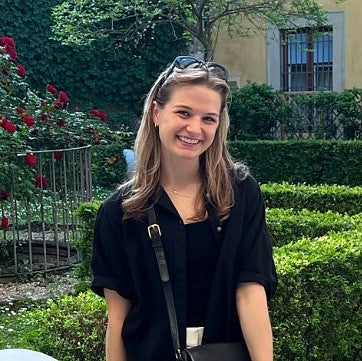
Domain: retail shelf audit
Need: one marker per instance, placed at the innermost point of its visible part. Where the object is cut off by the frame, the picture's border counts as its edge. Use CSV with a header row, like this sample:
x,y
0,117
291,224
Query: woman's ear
x,y
155,113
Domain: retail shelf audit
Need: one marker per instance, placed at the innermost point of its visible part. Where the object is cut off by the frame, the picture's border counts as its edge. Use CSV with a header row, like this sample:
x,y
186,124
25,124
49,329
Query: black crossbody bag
x,y
228,351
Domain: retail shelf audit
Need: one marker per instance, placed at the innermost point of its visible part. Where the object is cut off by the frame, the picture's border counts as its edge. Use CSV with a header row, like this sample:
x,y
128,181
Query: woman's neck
x,y
181,174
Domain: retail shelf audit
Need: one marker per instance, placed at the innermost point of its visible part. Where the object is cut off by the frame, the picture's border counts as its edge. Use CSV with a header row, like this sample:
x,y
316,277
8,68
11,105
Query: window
x,y
306,59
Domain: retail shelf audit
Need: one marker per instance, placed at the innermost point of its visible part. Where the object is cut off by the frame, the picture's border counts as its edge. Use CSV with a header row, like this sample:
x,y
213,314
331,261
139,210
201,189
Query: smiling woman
x,y
210,213
187,123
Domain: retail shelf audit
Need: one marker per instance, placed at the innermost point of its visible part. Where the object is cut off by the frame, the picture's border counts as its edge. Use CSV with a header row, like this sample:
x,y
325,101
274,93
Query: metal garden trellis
x,y
42,225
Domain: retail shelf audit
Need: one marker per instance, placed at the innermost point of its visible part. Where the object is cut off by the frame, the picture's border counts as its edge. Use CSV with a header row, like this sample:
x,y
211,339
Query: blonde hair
x,y
216,164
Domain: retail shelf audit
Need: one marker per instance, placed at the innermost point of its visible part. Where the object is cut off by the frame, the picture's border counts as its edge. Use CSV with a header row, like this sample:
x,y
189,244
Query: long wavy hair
x,y
216,164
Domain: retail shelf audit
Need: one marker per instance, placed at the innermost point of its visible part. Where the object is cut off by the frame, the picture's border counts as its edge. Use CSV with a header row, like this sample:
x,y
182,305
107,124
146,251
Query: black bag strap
x,y
154,232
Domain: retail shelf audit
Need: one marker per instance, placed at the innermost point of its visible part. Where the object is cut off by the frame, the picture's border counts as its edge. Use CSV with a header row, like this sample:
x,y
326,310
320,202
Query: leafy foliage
x,y
69,329
30,123
334,112
113,77
80,22
87,214
109,165
255,110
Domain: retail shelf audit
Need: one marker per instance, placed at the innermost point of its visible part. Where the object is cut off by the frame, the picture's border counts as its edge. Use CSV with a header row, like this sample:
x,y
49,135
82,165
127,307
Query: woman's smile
x,y
188,140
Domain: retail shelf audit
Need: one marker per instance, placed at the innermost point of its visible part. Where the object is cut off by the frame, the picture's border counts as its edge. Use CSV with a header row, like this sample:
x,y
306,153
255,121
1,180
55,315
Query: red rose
x,y
58,104
29,121
21,70
40,181
3,123
5,71
43,104
30,159
20,110
117,158
98,113
8,126
52,89
4,195
7,41
13,54
4,222
43,116
63,97
61,123
58,155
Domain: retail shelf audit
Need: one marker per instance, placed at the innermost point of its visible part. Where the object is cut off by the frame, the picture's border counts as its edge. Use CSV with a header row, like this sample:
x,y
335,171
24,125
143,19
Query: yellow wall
x,y
246,57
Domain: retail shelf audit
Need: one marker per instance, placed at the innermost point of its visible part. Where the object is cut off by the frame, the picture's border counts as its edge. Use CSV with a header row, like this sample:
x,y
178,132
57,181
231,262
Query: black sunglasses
x,y
189,62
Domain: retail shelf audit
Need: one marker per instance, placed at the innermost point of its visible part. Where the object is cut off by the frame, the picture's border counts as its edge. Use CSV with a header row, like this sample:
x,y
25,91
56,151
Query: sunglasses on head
x,y
189,62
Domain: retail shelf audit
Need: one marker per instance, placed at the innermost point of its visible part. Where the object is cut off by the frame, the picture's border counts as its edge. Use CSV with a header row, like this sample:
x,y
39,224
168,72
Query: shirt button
x,y
218,229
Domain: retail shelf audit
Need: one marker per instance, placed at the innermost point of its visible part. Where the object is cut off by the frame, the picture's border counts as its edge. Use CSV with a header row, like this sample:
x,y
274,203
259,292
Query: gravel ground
x,y
39,288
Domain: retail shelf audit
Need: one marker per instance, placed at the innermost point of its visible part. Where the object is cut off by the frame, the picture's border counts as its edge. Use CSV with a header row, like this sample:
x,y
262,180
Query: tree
x,y
82,21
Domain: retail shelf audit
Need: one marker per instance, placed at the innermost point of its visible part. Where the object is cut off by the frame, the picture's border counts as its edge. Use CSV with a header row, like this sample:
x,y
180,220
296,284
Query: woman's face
x,y
188,122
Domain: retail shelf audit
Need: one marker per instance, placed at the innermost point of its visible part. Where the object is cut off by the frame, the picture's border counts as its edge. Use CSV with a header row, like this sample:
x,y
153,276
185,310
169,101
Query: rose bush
x,y
30,122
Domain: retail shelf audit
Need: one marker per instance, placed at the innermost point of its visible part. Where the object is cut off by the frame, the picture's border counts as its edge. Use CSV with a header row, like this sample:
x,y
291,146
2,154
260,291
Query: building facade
x,y
300,59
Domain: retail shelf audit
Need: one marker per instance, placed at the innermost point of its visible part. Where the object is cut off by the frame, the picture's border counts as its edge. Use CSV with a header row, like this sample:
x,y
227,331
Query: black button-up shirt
x,y
124,260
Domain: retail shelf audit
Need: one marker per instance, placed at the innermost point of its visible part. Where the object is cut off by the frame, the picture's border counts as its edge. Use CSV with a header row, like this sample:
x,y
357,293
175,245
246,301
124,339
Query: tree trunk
x,y
197,49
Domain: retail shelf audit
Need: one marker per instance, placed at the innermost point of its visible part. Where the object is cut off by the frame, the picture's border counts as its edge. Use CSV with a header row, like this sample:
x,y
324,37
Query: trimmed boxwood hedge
x,y
289,225
316,314
305,161
323,198
308,162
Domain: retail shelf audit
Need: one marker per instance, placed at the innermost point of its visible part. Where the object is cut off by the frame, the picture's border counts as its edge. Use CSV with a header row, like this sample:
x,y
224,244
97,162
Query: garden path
x,y
38,288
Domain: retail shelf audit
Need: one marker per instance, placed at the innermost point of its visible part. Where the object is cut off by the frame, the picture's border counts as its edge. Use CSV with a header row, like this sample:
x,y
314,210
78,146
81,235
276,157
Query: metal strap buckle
x,y
153,228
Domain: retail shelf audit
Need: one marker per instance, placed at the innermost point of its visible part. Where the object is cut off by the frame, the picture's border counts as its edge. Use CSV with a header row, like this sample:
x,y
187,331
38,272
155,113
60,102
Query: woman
x,y
212,220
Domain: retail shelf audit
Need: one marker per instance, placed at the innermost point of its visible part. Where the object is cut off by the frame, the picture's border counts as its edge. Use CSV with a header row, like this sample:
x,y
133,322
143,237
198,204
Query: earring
x,y
156,125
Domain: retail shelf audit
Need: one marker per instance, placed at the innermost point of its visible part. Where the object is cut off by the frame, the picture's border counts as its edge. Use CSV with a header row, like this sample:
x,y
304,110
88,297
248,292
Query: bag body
x,y
228,351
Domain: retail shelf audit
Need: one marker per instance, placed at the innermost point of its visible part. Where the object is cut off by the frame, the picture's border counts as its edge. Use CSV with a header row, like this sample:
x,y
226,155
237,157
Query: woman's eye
x,y
183,113
210,120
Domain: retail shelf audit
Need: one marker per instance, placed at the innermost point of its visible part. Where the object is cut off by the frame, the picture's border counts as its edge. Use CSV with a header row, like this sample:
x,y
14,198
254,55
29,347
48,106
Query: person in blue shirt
x,y
130,159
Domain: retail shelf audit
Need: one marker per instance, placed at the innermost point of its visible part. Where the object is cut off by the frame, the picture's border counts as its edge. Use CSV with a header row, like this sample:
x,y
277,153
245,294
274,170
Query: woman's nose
x,y
194,125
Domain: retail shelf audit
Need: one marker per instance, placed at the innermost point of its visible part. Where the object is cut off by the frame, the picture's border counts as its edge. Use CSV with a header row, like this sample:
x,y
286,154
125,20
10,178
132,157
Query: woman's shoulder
x,y
243,180
114,201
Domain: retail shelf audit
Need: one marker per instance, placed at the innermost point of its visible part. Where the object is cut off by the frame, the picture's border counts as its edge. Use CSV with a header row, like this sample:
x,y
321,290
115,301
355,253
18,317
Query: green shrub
x,y
108,165
288,225
69,329
323,198
87,213
255,110
303,161
316,313
331,110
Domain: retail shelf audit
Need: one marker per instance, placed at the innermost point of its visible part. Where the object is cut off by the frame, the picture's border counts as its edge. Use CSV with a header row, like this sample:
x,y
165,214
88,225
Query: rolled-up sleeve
x,y
255,256
110,266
